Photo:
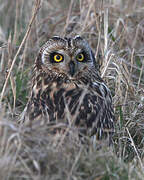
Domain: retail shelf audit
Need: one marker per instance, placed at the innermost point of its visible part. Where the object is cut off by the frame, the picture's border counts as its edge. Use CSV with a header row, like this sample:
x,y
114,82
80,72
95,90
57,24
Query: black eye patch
x,y
56,57
82,57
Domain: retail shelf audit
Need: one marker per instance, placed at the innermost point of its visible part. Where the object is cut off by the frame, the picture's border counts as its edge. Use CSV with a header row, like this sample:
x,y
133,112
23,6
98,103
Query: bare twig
x,y
133,144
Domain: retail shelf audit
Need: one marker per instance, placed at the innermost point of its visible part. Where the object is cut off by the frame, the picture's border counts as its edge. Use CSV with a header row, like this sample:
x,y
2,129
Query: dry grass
x,y
115,30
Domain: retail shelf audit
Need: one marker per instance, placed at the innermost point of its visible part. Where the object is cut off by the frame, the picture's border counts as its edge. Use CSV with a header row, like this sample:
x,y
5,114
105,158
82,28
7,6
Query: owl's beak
x,y
71,68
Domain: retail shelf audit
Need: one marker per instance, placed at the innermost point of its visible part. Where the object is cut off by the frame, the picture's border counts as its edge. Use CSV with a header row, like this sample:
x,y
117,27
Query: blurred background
x,y
115,31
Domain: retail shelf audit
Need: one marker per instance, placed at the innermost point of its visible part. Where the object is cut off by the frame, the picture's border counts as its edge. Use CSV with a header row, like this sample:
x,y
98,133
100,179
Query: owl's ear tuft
x,y
78,37
55,38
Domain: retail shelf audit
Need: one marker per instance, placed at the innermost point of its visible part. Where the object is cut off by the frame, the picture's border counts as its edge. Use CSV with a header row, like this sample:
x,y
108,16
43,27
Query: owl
x,y
67,89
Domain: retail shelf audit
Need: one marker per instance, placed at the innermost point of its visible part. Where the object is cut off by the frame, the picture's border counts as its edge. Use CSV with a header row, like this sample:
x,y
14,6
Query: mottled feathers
x,y
67,89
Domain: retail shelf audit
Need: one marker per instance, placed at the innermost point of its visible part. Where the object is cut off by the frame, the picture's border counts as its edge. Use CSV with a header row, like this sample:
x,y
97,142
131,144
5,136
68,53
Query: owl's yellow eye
x,y
80,57
58,57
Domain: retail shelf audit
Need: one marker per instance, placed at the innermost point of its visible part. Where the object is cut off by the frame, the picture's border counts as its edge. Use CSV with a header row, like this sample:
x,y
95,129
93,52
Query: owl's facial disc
x,y
71,68
71,63
76,63
71,57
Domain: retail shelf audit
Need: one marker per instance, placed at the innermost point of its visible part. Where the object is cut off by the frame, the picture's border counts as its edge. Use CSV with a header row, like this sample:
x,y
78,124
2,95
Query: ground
x,y
115,31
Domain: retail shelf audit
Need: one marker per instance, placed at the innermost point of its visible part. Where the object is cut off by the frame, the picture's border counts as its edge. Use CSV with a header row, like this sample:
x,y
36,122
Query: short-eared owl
x,y
67,88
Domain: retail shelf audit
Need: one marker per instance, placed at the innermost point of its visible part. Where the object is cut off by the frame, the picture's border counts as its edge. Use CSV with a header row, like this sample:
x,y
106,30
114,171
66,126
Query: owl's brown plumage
x,y
67,88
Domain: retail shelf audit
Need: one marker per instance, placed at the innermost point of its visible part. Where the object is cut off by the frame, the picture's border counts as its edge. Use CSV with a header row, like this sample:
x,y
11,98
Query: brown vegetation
x,y
115,30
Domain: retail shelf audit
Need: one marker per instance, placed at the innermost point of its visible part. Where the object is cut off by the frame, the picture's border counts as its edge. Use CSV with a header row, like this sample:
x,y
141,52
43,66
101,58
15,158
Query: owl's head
x,y
70,56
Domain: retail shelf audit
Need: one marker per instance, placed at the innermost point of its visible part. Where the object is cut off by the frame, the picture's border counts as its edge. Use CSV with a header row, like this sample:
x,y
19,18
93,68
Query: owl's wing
x,y
103,118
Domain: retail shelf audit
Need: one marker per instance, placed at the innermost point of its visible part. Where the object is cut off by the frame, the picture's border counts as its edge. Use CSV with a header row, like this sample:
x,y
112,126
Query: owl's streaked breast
x,y
83,105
